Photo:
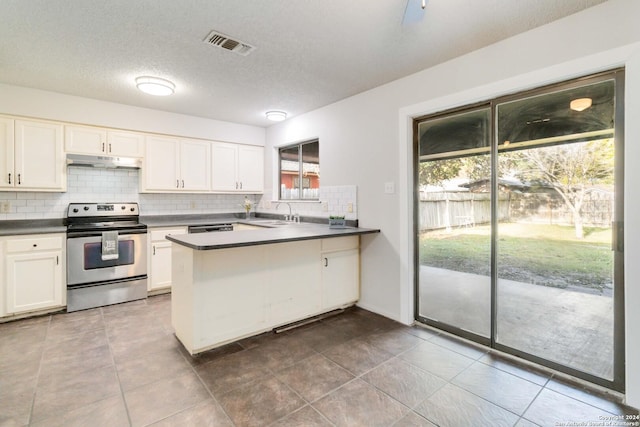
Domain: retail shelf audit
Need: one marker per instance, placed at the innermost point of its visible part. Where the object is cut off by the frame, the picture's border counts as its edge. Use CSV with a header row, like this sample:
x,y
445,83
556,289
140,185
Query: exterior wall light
x,y
580,104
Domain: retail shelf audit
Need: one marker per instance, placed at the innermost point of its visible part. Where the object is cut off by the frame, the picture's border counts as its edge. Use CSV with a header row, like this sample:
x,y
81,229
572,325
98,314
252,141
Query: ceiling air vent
x,y
225,42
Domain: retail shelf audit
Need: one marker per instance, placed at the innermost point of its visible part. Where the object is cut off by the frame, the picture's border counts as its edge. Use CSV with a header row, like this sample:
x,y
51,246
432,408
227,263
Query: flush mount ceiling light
x,y
155,86
580,104
276,116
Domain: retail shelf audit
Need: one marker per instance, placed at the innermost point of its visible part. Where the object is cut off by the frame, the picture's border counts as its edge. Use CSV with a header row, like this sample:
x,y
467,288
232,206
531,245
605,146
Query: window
x,y
300,171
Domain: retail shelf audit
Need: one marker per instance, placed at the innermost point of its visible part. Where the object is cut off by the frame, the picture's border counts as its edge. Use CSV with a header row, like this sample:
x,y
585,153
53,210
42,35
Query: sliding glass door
x,y
454,221
517,240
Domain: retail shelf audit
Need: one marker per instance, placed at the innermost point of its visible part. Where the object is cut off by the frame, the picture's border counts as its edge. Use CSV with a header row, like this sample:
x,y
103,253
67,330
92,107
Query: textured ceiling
x,y
309,53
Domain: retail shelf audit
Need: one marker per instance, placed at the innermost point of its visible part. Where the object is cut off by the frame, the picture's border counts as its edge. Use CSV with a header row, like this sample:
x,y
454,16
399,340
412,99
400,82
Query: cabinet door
x,y
161,164
251,168
7,174
34,281
160,276
294,283
195,165
39,156
85,140
126,144
234,293
340,278
160,257
224,160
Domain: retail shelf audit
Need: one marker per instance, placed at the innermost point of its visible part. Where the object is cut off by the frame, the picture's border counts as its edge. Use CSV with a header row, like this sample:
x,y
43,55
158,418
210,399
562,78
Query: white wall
x,y
20,101
366,140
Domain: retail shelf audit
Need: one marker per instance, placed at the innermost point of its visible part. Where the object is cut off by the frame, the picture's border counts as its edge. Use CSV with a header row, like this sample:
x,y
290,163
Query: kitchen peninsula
x,y
235,284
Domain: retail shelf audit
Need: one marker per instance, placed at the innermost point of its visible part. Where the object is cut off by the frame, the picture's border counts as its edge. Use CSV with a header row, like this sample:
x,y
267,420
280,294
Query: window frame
x,y
300,178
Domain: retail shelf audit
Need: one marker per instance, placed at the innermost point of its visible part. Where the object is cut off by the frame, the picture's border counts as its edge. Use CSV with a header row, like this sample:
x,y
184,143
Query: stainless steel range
x,y
106,255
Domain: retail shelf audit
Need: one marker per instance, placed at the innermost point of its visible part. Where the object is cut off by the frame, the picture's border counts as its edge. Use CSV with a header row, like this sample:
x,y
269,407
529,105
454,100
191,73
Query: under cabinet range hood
x,y
104,162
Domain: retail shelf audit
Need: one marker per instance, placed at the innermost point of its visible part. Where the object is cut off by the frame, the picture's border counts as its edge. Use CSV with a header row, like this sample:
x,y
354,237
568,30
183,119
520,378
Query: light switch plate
x,y
5,206
389,187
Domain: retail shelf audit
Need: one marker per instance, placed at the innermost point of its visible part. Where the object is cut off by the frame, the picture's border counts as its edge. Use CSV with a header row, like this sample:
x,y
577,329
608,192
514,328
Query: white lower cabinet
x,y
34,273
340,271
340,278
293,281
223,295
159,274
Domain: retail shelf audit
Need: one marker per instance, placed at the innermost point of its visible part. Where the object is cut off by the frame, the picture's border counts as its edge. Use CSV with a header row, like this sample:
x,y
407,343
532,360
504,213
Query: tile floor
x,y
122,366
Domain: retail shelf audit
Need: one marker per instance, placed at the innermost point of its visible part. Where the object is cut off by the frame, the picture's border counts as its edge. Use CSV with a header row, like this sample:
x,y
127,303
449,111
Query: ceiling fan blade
x,y
413,12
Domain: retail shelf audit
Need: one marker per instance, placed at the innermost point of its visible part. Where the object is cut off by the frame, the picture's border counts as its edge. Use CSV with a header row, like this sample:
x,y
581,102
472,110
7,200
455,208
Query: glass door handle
x,y
617,239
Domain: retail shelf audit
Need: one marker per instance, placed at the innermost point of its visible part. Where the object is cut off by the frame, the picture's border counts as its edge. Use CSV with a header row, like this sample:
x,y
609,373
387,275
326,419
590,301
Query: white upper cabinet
x,y
95,140
161,164
32,156
7,175
121,143
237,168
224,160
175,165
251,168
195,166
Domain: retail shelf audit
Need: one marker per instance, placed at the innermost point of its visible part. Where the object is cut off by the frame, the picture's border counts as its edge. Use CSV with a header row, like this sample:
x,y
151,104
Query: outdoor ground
x,y
548,255
554,291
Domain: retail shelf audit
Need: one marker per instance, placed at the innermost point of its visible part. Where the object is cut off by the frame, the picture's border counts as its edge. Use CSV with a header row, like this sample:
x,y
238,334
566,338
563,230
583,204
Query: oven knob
x,y
86,208
132,209
75,210
123,207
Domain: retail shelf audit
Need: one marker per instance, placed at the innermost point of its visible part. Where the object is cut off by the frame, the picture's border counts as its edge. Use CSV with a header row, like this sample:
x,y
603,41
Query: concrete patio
x,y
566,326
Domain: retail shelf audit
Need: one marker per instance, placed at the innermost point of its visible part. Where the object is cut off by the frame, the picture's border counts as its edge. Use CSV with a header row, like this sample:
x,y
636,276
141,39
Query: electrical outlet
x,y
389,187
325,207
350,207
192,205
5,206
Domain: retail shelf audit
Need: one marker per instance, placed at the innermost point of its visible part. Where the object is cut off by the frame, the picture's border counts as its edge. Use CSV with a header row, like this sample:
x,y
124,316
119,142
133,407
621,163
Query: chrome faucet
x,y
286,217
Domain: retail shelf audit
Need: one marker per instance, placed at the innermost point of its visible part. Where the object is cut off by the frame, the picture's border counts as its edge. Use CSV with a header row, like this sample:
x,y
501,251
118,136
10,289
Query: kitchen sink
x,y
277,222
271,222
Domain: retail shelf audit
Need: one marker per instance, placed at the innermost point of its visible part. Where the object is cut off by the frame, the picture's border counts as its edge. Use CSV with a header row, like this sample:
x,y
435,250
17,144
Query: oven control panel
x,y
76,210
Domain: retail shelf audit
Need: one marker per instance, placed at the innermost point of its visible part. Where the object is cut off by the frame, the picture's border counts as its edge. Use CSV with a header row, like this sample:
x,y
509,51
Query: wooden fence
x,y
461,209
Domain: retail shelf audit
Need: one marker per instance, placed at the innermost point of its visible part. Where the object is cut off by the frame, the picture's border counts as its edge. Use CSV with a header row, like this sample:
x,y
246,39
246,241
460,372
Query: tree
x,y
572,170
437,171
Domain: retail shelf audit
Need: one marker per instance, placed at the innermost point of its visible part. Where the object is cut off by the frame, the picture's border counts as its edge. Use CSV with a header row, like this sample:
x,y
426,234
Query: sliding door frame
x,y
416,223
618,381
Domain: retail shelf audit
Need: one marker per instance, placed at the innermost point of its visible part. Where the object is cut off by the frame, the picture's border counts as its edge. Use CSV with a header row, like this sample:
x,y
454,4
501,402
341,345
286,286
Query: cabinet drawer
x,y
159,234
34,244
340,243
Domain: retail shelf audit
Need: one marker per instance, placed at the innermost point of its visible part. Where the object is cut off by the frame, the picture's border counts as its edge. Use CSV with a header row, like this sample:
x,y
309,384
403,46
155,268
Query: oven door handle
x,y
72,234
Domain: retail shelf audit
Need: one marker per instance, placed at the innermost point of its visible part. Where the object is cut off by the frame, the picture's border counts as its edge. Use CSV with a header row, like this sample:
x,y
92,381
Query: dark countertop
x,y
276,234
224,218
57,225
188,220
32,226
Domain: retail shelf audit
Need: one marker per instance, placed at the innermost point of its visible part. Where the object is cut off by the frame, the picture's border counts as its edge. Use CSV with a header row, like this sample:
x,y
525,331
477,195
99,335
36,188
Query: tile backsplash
x,y
121,185
334,200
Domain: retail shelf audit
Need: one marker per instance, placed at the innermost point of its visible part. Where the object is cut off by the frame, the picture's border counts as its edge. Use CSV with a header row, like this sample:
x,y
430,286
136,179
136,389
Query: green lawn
x,y
532,253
